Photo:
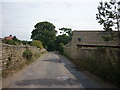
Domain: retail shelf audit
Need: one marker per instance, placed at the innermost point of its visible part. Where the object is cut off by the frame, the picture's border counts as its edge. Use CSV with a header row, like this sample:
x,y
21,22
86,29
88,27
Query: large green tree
x,y
109,14
64,38
45,32
67,31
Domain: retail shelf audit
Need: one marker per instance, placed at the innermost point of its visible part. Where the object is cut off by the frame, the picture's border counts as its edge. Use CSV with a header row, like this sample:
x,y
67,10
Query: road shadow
x,y
52,60
80,77
47,82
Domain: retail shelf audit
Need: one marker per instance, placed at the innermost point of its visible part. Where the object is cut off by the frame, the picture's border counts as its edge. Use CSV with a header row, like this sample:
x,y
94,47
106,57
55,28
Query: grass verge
x,y
101,68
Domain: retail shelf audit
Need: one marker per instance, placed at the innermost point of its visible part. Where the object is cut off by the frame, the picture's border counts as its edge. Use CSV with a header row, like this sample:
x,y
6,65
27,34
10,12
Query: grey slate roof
x,y
92,38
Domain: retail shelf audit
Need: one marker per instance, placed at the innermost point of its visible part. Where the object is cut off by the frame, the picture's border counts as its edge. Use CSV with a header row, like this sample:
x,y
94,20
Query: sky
x,y
18,17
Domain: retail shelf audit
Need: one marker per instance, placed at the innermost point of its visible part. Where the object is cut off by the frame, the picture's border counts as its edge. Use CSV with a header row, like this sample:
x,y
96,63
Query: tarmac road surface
x,y
48,72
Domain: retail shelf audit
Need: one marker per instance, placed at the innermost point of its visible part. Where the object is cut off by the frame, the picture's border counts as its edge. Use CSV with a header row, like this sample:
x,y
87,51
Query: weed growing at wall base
x,y
27,54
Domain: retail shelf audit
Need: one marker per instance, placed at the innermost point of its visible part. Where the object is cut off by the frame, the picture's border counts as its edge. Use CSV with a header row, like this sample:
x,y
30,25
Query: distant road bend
x,y
47,72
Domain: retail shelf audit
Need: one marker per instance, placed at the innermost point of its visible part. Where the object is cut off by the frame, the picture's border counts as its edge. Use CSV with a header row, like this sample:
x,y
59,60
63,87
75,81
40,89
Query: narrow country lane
x,y
47,72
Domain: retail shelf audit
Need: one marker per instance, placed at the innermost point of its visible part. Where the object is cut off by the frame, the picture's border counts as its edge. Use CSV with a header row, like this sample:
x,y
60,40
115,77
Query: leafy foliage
x,y
24,42
27,42
61,48
17,40
27,54
108,14
67,31
37,44
14,41
45,32
64,39
11,42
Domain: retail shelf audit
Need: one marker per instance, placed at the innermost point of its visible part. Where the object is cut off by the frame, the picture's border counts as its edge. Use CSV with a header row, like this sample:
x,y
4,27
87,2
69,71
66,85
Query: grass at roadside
x,y
106,71
10,71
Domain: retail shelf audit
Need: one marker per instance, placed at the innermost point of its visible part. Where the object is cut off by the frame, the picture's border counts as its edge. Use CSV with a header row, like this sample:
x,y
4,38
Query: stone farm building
x,y
88,40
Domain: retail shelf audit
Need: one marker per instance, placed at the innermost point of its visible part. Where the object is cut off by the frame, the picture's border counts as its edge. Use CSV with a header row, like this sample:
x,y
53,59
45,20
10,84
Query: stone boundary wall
x,y
99,54
108,53
12,55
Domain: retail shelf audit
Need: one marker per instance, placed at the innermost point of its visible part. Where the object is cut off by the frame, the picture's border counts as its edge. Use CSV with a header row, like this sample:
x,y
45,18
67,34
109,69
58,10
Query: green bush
x,y
11,42
27,42
27,54
17,40
37,44
61,48
24,42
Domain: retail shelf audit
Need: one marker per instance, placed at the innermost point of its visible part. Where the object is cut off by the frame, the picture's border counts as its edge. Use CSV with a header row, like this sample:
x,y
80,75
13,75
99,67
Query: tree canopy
x,y
45,32
67,31
37,43
64,38
108,14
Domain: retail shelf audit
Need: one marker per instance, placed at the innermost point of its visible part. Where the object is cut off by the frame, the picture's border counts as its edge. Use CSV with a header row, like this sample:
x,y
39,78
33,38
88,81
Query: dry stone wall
x,y
12,55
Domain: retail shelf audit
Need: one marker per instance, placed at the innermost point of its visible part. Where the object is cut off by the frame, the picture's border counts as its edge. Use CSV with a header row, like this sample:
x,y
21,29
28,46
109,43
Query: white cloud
x,y
20,18
19,0
53,1
0,19
58,1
